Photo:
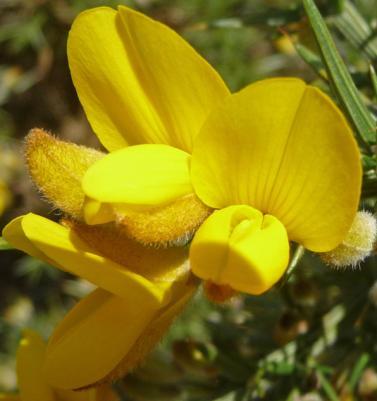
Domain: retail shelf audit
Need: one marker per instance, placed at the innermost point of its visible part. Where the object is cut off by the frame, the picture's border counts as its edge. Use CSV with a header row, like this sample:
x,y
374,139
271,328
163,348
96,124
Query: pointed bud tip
x,y
57,167
37,134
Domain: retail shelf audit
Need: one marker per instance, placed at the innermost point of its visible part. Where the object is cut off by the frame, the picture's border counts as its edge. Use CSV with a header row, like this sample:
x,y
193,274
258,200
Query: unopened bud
x,y
57,169
357,245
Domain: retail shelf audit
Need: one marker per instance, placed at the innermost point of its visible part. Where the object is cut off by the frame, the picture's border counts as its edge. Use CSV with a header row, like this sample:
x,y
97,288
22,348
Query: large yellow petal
x,y
65,250
142,175
285,149
239,247
31,379
14,233
138,81
94,337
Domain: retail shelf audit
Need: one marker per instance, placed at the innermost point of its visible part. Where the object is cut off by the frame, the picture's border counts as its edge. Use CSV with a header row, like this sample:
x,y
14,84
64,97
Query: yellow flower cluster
x,y
197,183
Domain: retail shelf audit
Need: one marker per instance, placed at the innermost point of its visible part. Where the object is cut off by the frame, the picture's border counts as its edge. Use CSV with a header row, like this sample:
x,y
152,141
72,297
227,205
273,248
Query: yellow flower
x,y
138,82
276,161
31,379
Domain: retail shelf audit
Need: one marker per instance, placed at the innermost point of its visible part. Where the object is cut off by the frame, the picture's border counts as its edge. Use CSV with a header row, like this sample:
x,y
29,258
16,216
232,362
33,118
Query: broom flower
x,y
276,161
238,176
132,93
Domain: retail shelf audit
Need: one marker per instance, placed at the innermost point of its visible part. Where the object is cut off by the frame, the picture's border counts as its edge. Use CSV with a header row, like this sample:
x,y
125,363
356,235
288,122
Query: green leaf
x,y
369,162
311,59
353,26
4,245
357,371
327,387
340,78
373,78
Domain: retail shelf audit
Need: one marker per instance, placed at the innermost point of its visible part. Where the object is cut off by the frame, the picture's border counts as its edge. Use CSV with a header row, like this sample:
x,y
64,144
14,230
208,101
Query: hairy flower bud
x,y
57,168
357,245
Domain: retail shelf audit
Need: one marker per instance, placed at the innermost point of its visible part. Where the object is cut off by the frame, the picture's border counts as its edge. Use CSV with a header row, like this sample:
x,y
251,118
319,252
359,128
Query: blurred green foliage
x,y
312,339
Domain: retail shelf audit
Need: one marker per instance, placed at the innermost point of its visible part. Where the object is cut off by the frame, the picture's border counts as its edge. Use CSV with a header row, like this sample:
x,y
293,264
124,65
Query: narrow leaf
x,y
373,78
340,78
353,26
311,59
357,371
327,387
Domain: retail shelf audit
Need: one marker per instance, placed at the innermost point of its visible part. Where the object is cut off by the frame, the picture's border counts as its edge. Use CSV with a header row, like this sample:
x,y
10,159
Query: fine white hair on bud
x,y
357,245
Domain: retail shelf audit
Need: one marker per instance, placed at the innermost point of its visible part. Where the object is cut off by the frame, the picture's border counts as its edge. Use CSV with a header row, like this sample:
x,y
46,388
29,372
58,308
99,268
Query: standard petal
x,y
138,81
141,175
30,375
63,248
285,149
94,337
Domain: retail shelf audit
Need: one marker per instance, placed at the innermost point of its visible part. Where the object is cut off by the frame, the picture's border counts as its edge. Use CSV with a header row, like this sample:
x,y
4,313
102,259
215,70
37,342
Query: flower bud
x,y
357,245
57,169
